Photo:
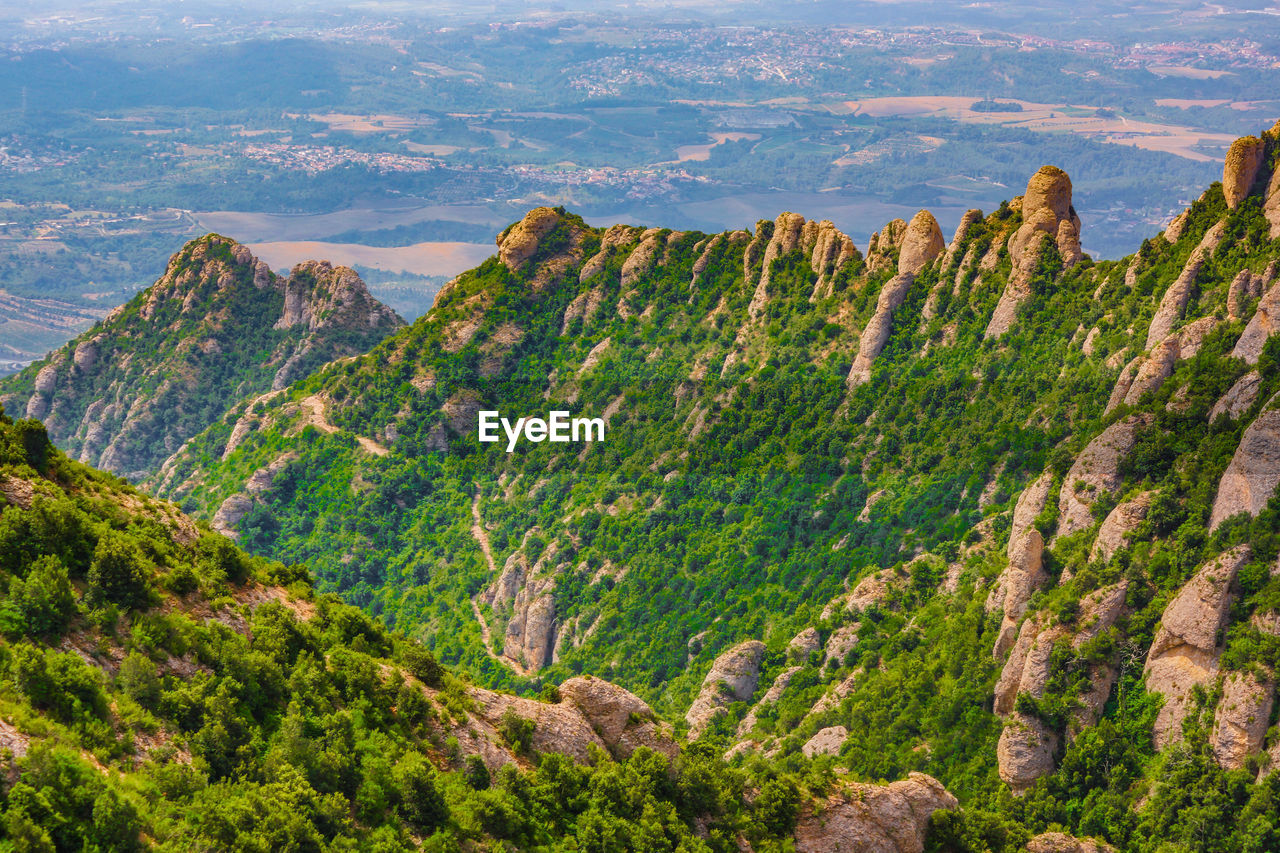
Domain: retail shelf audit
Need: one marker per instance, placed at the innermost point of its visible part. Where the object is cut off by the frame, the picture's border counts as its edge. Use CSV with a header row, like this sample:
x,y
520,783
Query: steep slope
x,y
1025,501
217,326
161,689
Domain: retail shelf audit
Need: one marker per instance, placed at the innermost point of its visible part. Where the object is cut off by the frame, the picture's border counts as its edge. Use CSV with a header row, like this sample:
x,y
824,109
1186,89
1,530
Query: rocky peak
x,y
883,243
921,243
518,243
318,294
1244,159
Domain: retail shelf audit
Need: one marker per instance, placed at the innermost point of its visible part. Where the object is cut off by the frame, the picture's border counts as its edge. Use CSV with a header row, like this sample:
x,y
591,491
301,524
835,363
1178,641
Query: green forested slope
x,y
990,476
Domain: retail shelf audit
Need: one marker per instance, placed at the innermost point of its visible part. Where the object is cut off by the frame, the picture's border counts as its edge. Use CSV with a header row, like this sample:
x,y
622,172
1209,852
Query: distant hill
x,y
216,327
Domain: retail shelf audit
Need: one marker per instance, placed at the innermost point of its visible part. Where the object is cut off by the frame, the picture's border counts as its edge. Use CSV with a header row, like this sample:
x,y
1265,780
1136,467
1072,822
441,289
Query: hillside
x,y
219,325
160,688
981,508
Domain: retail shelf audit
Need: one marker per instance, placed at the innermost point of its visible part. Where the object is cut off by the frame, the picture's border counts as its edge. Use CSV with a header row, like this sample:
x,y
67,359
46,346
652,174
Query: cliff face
x,y
216,327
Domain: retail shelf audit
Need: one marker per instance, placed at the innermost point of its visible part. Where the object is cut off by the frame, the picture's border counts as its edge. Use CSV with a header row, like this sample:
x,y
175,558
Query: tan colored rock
x,y
1174,301
642,258
520,242
1244,158
1060,842
1254,472
732,678
831,251
1119,523
788,231
1261,326
921,244
1147,373
1095,472
1239,398
1271,204
1174,230
1024,575
612,239
1240,723
556,728
876,333
967,222
1045,207
870,818
804,644
825,742
229,514
842,641
1025,752
883,243
1238,293
622,720
704,259
770,697
1186,647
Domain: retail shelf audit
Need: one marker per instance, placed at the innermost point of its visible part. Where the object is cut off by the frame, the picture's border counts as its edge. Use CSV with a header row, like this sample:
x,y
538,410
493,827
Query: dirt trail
x,y
320,420
482,538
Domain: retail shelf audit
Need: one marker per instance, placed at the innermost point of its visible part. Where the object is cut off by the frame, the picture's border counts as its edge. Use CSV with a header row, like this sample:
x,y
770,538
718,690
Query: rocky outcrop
x,y
1096,472
1047,217
770,697
804,644
1174,301
831,251
1023,574
883,244
1243,288
642,258
788,231
1240,723
842,641
825,742
518,243
1146,373
1244,159
1025,751
1119,524
613,239
868,818
1254,471
732,678
876,333
1060,842
1241,396
921,244
622,720
967,222
1186,647
1262,325
229,514
1174,230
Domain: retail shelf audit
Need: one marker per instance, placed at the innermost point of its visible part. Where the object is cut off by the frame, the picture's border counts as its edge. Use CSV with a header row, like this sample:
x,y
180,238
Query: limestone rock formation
x,y
1174,301
1261,326
770,697
825,742
1173,231
882,245
921,244
518,243
613,239
970,218
1025,751
868,818
1096,471
1146,373
1060,842
876,333
804,644
732,678
1186,647
1254,472
1023,576
831,251
1239,398
1240,724
622,720
1046,207
642,258
1244,158
842,641
1119,523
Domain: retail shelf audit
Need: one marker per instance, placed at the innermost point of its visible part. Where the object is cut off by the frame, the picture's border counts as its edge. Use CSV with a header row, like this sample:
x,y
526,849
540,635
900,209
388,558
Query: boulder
x,y
622,720
520,242
1096,471
732,678
1244,158
921,244
1253,473
1240,724
1261,326
826,742
1239,398
869,818
1185,650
